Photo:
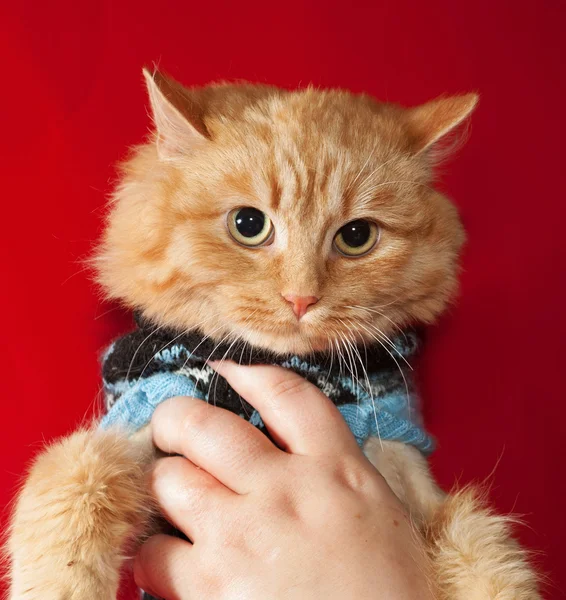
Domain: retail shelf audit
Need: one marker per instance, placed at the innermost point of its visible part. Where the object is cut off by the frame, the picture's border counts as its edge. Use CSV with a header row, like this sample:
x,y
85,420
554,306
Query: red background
x,y
72,101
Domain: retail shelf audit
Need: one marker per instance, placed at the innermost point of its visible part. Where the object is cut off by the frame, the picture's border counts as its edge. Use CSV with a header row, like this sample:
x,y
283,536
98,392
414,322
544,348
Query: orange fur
x,y
83,502
474,554
472,551
312,160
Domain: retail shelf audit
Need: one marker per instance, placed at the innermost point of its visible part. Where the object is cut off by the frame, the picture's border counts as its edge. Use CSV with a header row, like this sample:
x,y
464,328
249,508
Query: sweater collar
x,y
138,353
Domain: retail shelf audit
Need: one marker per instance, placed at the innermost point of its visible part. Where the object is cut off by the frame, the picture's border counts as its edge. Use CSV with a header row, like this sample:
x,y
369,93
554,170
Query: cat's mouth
x,y
322,330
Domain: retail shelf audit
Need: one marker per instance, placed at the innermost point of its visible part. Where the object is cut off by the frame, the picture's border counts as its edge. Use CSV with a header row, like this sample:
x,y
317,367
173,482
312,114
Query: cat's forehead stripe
x,y
276,190
298,185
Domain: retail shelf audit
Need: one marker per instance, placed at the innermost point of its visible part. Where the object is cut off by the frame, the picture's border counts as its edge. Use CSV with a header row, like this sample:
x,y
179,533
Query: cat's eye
x,y
356,238
249,226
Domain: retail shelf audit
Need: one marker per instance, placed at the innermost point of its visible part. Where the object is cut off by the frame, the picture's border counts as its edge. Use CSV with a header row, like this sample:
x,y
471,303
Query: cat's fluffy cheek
x,y
153,273
184,252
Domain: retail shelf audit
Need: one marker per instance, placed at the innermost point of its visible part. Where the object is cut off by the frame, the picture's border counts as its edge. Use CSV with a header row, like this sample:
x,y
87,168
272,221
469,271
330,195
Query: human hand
x,y
310,519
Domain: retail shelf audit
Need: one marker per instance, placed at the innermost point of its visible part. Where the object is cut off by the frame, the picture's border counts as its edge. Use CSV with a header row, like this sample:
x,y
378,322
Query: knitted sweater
x,y
152,364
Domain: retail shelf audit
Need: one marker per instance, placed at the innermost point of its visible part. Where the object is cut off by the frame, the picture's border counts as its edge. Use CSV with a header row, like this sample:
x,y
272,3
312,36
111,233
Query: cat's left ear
x,y
178,119
433,121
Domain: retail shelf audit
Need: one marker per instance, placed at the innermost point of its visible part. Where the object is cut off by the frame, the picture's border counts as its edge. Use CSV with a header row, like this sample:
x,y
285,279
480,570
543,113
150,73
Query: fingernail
x,y
221,366
217,364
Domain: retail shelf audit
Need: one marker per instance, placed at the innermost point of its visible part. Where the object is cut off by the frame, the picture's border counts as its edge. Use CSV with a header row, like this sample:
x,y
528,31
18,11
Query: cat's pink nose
x,y
300,303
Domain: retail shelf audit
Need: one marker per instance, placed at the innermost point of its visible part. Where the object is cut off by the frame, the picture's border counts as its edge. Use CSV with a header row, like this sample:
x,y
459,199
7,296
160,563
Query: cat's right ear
x,y
178,119
432,123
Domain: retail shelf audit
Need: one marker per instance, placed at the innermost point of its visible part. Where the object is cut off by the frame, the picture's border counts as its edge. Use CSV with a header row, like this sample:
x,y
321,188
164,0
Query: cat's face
x,y
294,221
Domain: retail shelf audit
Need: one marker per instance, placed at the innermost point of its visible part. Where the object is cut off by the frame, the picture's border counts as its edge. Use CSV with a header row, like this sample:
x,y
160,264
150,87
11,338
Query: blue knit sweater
x,y
150,365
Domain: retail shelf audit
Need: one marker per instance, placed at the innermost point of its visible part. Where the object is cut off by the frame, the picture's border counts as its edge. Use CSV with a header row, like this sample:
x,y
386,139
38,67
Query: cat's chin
x,y
299,344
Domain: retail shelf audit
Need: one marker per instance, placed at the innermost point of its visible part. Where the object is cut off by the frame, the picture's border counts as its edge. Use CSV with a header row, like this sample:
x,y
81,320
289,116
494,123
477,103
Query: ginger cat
x,y
292,222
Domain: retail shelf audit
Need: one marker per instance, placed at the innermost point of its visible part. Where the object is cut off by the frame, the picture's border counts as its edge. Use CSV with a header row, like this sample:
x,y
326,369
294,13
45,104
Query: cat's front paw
x,y
83,501
64,590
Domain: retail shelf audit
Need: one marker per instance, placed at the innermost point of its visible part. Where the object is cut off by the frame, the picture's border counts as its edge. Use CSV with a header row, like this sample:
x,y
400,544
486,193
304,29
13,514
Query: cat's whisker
x,y
215,374
240,362
341,354
140,376
352,344
392,303
209,357
355,367
356,323
311,354
379,306
351,184
226,337
159,327
391,344
356,351
191,353
404,181
340,357
370,194
370,392
183,332
153,332
376,329
378,168
206,337
339,343
381,314
350,364
106,312
331,364
379,340
349,346
84,269
352,361
244,344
